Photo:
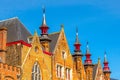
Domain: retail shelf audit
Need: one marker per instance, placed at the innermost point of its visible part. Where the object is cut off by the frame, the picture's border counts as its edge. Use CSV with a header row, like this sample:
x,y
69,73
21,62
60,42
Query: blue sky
x,y
98,22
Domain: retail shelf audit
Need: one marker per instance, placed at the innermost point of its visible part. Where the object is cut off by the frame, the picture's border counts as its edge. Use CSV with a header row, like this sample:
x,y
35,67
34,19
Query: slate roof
x,y
16,30
95,70
113,79
54,39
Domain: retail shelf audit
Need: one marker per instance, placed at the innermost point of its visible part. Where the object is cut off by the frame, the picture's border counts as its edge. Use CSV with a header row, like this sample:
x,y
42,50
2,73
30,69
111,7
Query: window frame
x,y
36,73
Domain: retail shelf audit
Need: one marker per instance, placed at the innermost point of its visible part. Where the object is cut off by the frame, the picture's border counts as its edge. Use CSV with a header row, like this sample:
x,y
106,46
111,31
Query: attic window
x,y
36,49
63,54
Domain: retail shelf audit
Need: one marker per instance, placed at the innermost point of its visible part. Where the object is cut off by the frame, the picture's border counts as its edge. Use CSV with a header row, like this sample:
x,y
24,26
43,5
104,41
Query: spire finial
x,y
105,58
98,60
43,7
87,50
44,20
35,32
77,39
62,26
76,31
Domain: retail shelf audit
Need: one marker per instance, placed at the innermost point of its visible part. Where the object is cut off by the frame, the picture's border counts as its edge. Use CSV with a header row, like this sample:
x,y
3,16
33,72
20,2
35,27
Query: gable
x,y
62,50
98,72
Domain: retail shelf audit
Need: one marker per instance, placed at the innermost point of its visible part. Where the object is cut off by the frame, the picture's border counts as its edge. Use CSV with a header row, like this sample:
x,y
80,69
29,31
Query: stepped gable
x,y
16,30
54,39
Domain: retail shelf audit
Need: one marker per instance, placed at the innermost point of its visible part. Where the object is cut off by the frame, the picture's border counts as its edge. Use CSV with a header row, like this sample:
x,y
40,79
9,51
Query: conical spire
x,y
88,60
87,48
77,39
77,43
105,58
106,67
44,28
44,19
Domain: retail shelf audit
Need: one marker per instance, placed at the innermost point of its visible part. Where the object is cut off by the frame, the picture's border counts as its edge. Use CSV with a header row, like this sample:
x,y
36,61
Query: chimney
x,y
3,40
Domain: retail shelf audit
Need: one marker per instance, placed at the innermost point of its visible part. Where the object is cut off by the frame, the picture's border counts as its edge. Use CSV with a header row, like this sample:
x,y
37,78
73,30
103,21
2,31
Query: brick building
x,y
44,57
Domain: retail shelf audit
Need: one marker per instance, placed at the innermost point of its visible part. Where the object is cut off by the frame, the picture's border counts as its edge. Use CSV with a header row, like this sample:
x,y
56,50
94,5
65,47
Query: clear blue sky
x,y
98,22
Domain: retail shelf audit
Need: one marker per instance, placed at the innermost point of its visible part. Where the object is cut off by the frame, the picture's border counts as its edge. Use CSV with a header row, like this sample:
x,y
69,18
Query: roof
x,y
94,71
54,39
16,30
113,79
17,42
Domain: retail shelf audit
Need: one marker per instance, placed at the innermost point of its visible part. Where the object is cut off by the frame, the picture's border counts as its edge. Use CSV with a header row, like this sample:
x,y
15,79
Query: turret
x,y
44,39
77,56
88,60
88,64
3,40
106,68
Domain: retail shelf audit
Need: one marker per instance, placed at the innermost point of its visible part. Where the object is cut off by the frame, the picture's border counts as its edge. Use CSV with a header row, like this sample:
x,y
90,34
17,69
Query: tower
x,y
88,65
44,39
77,56
106,69
3,40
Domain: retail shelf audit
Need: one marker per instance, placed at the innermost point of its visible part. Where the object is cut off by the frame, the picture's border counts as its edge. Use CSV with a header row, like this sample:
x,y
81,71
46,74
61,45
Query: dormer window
x,y
29,39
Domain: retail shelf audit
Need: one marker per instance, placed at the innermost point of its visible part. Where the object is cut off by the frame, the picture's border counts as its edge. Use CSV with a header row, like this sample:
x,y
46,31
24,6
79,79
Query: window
x,y
59,71
29,39
36,49
63,55
68,75
36,72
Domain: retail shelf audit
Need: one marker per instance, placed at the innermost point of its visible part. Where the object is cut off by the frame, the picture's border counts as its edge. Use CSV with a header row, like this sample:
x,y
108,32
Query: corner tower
x,y
44,39
106,69
88,65
77,56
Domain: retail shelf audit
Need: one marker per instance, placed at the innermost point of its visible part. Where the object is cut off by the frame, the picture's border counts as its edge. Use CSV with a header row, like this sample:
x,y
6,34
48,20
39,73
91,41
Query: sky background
x,y
98,22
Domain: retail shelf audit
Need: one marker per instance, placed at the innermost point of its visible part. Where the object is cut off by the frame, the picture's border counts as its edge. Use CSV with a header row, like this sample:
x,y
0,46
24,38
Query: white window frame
x,y
59,71
68,71
36,74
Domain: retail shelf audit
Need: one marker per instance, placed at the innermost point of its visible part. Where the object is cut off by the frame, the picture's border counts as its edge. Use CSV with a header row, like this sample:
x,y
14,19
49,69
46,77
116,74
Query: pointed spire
x,y
88,60
98,60
106,67
77,43
87,48
77,39
44,19
35,33
105,58
44,28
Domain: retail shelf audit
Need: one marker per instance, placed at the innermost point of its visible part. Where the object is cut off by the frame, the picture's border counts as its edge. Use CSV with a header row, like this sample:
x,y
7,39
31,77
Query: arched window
x,y
36,72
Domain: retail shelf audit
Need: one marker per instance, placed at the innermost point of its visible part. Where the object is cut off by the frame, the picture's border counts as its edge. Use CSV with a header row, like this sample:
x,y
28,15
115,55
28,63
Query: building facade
x,y
44,57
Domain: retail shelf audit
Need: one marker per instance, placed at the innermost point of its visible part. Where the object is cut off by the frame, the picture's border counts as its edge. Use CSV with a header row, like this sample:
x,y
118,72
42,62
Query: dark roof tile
x,y
16,30
54,38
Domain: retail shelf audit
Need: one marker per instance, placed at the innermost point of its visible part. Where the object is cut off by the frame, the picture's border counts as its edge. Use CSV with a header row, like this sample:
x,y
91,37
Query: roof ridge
x,y
9,19
54,33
